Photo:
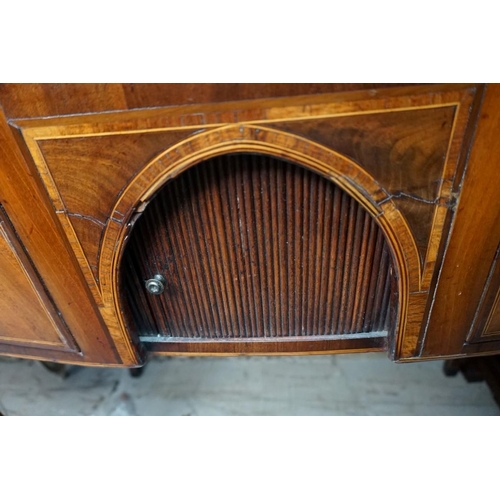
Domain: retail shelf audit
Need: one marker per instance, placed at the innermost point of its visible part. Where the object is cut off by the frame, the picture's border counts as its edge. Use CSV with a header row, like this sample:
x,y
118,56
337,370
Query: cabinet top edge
x,y
248,111
45,101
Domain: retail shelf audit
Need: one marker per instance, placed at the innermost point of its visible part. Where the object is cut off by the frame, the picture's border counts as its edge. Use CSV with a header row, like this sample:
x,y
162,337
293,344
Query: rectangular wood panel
x,y
27,315
493,327
486,325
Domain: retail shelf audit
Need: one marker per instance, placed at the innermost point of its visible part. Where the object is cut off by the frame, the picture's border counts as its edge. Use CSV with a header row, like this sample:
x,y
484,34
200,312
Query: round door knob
x,y
156,285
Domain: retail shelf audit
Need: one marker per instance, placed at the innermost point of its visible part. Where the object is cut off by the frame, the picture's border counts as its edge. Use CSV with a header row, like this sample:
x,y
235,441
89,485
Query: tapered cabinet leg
x,y
451,367
60,369
137,372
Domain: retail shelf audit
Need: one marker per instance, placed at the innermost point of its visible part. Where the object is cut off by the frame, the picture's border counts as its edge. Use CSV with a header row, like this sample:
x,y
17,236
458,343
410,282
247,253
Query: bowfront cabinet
x,y
225,219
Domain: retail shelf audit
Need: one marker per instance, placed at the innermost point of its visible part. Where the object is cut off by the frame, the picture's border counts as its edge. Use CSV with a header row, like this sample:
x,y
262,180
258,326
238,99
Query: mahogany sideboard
x,y
239,219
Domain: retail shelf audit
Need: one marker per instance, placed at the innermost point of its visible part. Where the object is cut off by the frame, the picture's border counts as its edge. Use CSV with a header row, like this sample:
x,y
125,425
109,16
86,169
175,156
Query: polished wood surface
x,y
38,100
267,141
28,317
493,322
410,141
90,173
474,240
255,248
486,324
25,200
405,152
79,164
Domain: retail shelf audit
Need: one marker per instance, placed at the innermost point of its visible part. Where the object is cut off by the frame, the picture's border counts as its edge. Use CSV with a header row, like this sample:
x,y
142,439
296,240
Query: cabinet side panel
x,y
474,239
27,316
28,207
493,327
486,326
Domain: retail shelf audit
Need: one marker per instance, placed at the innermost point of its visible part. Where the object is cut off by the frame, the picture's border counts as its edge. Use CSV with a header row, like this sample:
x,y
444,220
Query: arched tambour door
x,y
251,247
247,240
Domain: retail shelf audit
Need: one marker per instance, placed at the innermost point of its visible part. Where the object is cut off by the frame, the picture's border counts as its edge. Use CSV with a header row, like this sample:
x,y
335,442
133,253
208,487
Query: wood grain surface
x,y
80,163
395,150
90,173
405,152
253,247
474,239
28,317
26,202
38,100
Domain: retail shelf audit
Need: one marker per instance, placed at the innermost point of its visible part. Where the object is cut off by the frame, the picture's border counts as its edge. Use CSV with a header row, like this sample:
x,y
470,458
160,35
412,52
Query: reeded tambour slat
x,y
255,247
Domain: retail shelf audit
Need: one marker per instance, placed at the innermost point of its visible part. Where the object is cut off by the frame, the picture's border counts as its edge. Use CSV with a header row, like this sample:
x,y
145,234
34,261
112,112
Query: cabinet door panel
x,y
493,327
486,326
27,316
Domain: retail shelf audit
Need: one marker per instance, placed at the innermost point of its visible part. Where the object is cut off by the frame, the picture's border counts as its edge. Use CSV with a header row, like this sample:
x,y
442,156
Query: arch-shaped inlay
x,y
345,173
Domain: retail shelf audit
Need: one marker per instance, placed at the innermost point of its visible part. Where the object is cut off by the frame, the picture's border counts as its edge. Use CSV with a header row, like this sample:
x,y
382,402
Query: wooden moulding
x,y
245,138
246,127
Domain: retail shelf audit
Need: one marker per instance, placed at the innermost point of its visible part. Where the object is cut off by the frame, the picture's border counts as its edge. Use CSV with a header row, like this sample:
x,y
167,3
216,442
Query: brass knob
x,y
156,285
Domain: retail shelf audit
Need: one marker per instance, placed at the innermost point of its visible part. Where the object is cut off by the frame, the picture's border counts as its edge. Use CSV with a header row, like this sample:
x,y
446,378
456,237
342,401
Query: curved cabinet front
x,y
255,251
295,225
